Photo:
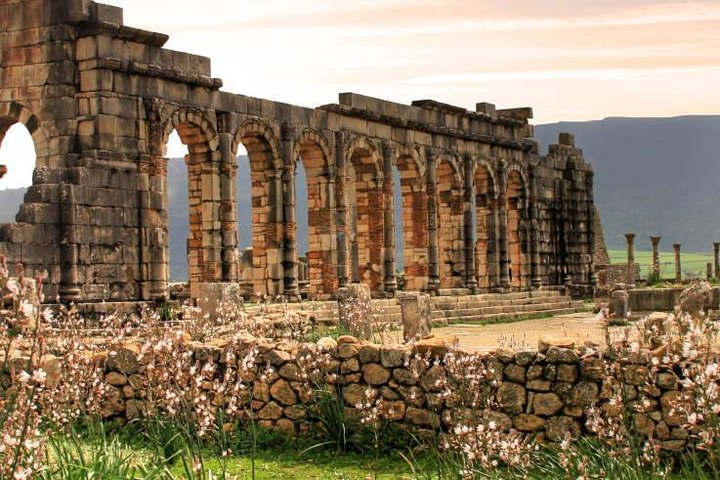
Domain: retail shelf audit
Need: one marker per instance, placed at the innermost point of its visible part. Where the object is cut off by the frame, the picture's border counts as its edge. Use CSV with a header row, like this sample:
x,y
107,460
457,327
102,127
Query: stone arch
x,y
312,149
266,164
261,142
204,243
411,167
517,227
450,222
485,191
366,208
15,112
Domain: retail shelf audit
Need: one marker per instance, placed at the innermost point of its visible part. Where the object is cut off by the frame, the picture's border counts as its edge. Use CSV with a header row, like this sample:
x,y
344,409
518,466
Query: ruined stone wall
x,y
429,386
101,100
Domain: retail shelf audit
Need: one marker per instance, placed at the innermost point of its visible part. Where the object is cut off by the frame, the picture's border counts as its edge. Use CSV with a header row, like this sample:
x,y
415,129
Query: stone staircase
x,y
495,307
449,309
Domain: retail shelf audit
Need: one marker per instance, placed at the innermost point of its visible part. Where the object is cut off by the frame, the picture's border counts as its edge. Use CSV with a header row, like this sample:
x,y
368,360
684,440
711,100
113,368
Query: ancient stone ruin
x,y
483,209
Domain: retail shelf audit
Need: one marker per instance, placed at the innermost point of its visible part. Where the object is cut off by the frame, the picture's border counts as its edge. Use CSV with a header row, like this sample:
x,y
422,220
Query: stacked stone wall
x,y
424,386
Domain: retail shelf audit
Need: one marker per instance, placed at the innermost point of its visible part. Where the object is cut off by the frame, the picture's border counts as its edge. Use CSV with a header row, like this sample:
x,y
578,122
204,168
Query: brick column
x,y
289,237
535,279
468,230
630,277
390,282
341,219
716,259
228,209
678,268
655,242
503,260
433,266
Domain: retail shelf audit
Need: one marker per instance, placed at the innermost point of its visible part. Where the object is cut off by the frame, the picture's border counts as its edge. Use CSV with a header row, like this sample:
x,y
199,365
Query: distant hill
x,y
9,201
653,176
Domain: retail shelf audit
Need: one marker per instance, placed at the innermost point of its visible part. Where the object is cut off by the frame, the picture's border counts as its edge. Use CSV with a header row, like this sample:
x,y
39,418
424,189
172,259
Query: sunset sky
x,y
569,59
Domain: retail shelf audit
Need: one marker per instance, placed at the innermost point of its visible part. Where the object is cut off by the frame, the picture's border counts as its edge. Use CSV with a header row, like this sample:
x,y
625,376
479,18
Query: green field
x,y
692,264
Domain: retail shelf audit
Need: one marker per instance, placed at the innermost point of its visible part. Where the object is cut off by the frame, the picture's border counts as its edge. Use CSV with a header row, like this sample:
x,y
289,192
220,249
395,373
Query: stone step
x,y
483,297
489,303
453,292
506,309
501,317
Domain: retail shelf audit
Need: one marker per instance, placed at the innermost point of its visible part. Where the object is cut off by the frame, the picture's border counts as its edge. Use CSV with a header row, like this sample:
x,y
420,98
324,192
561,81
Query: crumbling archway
x,y
414,218
517,235
485,235
313,153
450,224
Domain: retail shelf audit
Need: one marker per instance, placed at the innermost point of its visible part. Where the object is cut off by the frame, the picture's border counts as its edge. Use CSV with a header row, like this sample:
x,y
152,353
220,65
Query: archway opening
x,y
516,204
450,227
178,210
17,163
316,191
245,225
484,236
261,269
366,219
412,229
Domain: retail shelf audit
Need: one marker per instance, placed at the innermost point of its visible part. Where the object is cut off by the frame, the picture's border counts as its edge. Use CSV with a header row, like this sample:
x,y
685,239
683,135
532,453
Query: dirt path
x,y
524,335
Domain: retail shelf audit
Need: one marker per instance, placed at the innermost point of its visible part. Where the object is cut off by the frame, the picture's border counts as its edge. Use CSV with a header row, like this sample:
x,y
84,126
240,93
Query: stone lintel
x,y
121,32
519,113
438,106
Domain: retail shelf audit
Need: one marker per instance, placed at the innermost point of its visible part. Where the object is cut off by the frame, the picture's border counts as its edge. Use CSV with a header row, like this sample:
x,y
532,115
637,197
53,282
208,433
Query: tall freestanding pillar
x,y
433,267
630,277
716,259
289,247
655,241
678,269
390,282
468,230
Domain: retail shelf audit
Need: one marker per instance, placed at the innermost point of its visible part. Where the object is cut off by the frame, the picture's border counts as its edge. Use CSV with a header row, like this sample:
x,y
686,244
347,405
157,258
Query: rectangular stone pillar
x,y
716,259
390,282
471,282
289,246
503,261
341,218
434,267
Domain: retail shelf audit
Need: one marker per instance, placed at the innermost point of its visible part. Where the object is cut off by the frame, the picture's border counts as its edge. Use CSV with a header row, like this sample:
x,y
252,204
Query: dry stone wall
x,y
101,100
428,385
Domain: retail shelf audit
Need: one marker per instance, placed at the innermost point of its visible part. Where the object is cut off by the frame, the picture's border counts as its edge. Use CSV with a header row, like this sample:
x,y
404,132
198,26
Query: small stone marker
x,y
416,316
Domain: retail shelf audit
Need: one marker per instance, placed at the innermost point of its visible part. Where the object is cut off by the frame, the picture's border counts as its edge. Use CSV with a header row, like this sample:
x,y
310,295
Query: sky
x,y
568,59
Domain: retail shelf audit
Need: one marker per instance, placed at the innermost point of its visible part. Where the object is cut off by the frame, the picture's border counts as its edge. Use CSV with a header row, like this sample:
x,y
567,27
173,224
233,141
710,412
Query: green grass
x,y
691,263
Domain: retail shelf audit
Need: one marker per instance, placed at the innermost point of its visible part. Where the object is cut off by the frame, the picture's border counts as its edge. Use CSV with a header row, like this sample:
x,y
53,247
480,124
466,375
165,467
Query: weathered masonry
x,y
482,209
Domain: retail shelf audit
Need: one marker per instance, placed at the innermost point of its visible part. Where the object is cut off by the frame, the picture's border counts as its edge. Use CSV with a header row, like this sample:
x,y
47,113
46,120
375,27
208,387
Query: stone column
x,y
433,266
228,209
504,261
535,279
341,219
390,282
655,241
716,259
469,232
69,285
589,181
630,278
289,242
709,270
678,268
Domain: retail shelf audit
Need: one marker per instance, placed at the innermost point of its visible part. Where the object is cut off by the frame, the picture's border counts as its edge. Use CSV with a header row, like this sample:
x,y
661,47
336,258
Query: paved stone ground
x,y
524,335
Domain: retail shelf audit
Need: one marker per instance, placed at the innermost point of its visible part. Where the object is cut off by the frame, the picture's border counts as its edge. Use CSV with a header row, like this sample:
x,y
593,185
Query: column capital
x,y
630,237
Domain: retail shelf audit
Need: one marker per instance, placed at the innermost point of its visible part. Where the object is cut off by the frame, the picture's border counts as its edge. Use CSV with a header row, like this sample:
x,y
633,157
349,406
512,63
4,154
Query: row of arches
x,y
373,202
